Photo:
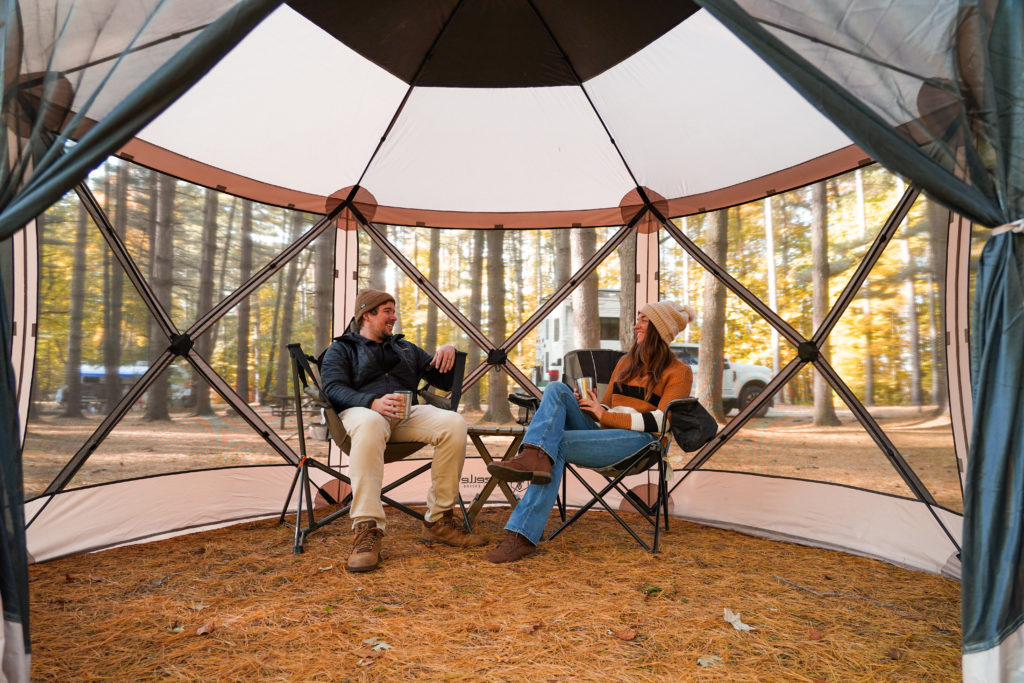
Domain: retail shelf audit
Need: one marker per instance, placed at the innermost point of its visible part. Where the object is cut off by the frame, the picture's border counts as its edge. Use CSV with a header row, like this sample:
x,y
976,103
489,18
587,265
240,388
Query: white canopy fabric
x,y
299,115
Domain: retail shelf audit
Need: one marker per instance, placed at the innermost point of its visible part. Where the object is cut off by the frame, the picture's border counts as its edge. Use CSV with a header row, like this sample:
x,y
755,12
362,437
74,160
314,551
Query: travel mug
x,y
406,402
584,385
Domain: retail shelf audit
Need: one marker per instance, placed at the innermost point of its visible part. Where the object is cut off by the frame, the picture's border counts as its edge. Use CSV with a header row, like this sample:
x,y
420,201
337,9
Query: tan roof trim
x,y
182,167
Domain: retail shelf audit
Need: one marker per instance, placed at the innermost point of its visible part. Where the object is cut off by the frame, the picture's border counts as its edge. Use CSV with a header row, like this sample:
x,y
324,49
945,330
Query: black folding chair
x,y
306,383
647,458
597,364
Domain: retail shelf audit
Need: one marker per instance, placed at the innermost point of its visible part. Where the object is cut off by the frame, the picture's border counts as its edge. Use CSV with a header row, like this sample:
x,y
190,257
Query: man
x,y
361,371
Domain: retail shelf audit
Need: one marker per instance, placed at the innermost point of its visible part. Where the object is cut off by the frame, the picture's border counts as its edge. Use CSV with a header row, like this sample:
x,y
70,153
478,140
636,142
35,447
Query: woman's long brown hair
x,y
646,360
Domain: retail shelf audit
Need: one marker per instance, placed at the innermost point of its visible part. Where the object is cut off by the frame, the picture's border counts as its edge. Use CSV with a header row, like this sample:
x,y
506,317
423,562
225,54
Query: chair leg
x,y
599,498
291,490
300,535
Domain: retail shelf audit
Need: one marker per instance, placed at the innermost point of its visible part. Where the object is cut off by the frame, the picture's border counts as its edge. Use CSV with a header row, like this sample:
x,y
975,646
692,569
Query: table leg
x,y
485,493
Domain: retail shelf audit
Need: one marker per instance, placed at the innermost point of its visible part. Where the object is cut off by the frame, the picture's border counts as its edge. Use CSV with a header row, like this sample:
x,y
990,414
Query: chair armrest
x,y
524,400
315,397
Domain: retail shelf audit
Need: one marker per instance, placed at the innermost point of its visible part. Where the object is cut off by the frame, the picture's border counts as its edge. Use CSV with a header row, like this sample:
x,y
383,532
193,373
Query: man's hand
x,y
589,404
444,359
389,405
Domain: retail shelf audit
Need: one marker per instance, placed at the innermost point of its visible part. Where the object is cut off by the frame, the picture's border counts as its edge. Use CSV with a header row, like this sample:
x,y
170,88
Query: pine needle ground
x,y
235,604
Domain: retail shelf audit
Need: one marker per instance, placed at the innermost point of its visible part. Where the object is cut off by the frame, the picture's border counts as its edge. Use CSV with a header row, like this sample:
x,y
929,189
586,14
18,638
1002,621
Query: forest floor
x,y
784,443
235,604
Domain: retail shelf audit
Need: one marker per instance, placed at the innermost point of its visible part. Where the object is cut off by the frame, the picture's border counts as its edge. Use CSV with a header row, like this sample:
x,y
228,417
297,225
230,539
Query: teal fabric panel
x,y
962,140
55,171
993,552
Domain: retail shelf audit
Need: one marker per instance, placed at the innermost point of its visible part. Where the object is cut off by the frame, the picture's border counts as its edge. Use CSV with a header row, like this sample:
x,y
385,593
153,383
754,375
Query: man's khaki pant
x,y
370,431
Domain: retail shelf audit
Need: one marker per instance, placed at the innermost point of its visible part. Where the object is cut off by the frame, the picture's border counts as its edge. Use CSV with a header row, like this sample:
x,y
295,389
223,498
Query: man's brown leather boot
x,y
530,464
366,549
450,532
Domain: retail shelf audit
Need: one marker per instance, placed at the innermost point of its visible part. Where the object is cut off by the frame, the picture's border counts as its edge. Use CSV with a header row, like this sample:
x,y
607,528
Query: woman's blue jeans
x,y
564,432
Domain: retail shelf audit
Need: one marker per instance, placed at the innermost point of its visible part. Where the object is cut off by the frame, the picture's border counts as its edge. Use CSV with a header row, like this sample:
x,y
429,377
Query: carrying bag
x,y
692,425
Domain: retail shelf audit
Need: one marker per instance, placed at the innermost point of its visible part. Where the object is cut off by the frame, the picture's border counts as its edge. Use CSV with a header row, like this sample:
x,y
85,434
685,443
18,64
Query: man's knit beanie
x,y
369,299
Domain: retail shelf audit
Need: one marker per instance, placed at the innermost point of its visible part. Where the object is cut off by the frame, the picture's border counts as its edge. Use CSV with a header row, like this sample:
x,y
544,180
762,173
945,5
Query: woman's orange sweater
x,y
627,407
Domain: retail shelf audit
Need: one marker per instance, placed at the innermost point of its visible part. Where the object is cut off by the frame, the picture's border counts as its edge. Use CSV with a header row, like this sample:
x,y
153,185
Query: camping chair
x,y
644,460
595,363
599,364
306,383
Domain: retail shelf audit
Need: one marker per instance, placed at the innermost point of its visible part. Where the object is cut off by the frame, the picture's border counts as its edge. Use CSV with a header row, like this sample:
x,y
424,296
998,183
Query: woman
x,y
644,382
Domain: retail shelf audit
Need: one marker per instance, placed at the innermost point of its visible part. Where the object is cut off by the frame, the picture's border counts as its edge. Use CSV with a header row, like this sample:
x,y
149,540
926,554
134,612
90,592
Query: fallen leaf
x,y
487,601
814,634
96,579
713,660
198,607
493,628
370,658
68,578
625,634
205,628
533,627
734,619
376,643
325,569
894,654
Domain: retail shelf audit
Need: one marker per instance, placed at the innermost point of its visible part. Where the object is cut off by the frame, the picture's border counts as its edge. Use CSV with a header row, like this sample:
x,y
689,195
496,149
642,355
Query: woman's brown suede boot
x,y
530,464
512,548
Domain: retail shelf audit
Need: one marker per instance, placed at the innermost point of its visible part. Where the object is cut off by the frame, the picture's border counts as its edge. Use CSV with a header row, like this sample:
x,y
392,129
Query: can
x,y
406,397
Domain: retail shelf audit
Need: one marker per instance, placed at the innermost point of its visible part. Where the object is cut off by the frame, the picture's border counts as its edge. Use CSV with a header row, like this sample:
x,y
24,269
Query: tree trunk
x,y
245,270
938,229
204,344
708,389
517,264
163,279
222,273
73,369
773,294
113,314
323,292
497,388
824,410
563,261
627,294
913,334
471,399
869,363
287,316
378,263
434,276
585,315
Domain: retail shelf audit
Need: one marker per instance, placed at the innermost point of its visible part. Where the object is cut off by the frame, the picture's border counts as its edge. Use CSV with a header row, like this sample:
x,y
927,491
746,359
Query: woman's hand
x,y
589,404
